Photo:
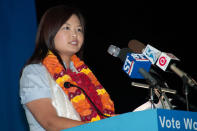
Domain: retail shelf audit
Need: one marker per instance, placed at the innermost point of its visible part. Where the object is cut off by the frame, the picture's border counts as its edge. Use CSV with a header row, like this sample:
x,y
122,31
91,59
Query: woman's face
x,y
69,38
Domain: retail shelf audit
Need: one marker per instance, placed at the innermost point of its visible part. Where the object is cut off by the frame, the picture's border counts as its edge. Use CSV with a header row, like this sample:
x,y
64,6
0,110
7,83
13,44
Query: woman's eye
x,y
66,28
79,30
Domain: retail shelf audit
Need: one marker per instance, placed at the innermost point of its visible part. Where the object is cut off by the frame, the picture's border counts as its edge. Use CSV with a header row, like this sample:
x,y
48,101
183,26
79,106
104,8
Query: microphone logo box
x,y
151,53
165,59
132,64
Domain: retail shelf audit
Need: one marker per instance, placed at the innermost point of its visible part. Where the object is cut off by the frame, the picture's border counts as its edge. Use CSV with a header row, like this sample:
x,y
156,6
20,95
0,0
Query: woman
x,y
57,89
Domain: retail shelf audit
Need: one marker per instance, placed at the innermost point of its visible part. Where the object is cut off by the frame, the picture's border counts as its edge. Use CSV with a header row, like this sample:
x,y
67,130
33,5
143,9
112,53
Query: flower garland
x,y
87,81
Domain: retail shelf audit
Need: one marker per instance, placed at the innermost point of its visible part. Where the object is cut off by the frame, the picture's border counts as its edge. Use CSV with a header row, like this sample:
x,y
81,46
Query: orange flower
x,y
82,105
93,78
77,62
85,112
108,103
58,70
72,89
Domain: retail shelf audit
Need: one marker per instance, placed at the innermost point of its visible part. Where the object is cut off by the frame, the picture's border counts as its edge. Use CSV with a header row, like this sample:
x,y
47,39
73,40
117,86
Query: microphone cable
x,y
68,85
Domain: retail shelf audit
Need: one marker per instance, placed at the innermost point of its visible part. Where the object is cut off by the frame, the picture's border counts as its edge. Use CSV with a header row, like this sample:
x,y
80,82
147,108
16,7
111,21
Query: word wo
x,y
189,124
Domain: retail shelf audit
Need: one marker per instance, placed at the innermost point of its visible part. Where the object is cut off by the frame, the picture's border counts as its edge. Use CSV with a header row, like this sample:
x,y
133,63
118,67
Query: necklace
x,y
84,79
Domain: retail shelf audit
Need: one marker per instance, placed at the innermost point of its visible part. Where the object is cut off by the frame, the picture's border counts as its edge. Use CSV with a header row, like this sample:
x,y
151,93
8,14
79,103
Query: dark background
x,y
167,25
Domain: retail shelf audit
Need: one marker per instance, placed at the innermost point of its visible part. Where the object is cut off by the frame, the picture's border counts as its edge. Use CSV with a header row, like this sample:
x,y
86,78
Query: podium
x,y
148,120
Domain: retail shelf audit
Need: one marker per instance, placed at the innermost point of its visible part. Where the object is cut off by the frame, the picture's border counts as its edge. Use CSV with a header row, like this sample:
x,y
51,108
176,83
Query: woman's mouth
x,y
74,42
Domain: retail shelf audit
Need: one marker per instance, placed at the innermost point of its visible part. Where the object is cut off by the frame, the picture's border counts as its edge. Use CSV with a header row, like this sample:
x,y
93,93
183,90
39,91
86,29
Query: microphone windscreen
x,y
123,53
113,50
136,46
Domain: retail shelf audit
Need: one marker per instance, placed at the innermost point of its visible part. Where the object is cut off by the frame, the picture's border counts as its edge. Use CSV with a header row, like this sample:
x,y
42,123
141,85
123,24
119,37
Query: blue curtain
x,y
17,37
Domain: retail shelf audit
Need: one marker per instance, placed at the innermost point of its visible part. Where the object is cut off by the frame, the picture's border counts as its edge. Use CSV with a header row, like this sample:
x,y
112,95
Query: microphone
x,y
133,63
149,51
148,77
152,54
117,52
166,60
68,85
136,46
190,81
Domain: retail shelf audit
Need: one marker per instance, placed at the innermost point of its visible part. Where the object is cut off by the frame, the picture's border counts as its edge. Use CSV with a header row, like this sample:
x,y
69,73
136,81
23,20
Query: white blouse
x,y
36,83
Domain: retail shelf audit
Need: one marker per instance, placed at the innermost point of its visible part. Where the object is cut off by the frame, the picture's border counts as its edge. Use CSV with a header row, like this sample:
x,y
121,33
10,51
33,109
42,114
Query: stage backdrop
x,y
17,36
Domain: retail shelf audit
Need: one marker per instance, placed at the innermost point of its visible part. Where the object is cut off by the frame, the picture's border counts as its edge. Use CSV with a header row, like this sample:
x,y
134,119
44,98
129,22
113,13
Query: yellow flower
x,y
101,91
85,71
50,53
66,77
59,80
107,114
78,98
95,118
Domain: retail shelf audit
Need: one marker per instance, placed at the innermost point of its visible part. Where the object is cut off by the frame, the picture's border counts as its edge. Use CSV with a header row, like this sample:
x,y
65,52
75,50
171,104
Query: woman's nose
x,y
74,34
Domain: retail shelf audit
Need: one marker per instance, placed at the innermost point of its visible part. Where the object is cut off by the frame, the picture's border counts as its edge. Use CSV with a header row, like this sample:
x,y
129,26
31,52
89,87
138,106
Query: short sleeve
x,y
34,83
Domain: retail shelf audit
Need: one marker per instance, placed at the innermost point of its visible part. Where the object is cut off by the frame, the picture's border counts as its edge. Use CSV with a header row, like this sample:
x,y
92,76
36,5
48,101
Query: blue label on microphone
x,y
151,53
132,64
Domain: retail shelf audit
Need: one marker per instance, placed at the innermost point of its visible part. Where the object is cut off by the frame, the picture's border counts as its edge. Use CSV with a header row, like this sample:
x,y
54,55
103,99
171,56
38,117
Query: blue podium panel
x,y
148,120
174,120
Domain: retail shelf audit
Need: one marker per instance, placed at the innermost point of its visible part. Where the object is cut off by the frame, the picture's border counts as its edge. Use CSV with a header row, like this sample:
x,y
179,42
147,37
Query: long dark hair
x,y
49,25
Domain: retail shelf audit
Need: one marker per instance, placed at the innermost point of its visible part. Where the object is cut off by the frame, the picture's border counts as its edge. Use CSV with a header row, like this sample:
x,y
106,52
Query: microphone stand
x,y
187,82
152,93
186,91
154,85
159,93
185,77
167,100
